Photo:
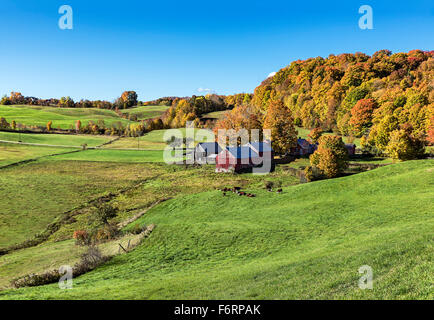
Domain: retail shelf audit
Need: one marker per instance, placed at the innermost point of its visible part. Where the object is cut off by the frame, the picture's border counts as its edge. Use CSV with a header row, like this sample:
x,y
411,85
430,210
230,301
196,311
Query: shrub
x,y
403,145
81,237
108,232
313,174
331,157
137,229
106,212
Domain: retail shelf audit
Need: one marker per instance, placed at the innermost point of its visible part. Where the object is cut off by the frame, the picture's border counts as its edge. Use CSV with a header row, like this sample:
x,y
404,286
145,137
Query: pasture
x,y
308,242
153,140
13,153
63,118
55,139
146,112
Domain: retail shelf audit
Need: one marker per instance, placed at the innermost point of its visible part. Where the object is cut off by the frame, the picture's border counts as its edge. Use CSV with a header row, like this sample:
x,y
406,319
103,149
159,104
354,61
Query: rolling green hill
x,y
308,242
146,112
61,117
55,139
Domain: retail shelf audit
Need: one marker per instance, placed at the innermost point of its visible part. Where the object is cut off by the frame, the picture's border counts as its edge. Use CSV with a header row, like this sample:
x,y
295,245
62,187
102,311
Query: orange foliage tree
x,y
279,120
361,116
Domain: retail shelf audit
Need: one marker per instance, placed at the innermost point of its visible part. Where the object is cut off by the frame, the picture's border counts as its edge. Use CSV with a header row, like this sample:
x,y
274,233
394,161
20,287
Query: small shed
x,y
303,148
351,147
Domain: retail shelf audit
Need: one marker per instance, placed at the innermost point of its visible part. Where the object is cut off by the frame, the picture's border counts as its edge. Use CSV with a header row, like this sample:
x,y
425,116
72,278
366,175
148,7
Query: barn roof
x,y
243,152
261,146
210,147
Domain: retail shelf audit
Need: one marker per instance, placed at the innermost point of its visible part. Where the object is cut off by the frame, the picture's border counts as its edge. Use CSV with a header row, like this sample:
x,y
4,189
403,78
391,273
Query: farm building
x,y
206,152
351,149
240,159
262,148
303,148
237,159
266,153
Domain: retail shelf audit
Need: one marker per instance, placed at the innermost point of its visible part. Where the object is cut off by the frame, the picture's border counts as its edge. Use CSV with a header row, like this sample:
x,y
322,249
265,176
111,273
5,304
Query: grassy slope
x,y
158,182
146,112
55,139
33,195
12,153
153,140
61,117
308,242
214,115
111,155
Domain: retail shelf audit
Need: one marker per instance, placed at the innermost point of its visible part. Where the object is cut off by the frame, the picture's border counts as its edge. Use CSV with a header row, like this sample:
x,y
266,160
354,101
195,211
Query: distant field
x,y
303,133
307,243
11,153
146,112
153,140
55,139
214,115
111,155
61,117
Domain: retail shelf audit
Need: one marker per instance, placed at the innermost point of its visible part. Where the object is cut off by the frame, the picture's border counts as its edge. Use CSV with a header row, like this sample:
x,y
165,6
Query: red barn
x,y
237,159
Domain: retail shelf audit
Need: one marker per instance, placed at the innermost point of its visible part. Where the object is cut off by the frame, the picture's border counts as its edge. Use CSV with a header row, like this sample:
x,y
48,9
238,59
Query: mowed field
x,y
64,118
56,139
155,140
308,242
13,153
146,112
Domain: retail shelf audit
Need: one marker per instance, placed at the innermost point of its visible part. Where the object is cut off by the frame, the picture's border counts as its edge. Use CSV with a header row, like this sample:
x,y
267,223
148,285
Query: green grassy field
x,y
153,140
146,112
35,194
111,155
152,182
61,117
308,242
304,133
12,153
214,115
55,139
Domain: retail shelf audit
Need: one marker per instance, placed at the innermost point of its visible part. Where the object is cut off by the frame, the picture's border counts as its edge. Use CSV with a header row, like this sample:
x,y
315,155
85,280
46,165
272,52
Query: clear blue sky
x,y
172,48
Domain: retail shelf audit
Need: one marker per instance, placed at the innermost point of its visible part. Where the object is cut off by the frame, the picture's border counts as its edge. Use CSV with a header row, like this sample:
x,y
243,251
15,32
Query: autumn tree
x,y
13,125
78,126
16,98
405,145
4,124
241,117
128,99
279,120
361,116
430,133
66,102
331,157
49,125
315,134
